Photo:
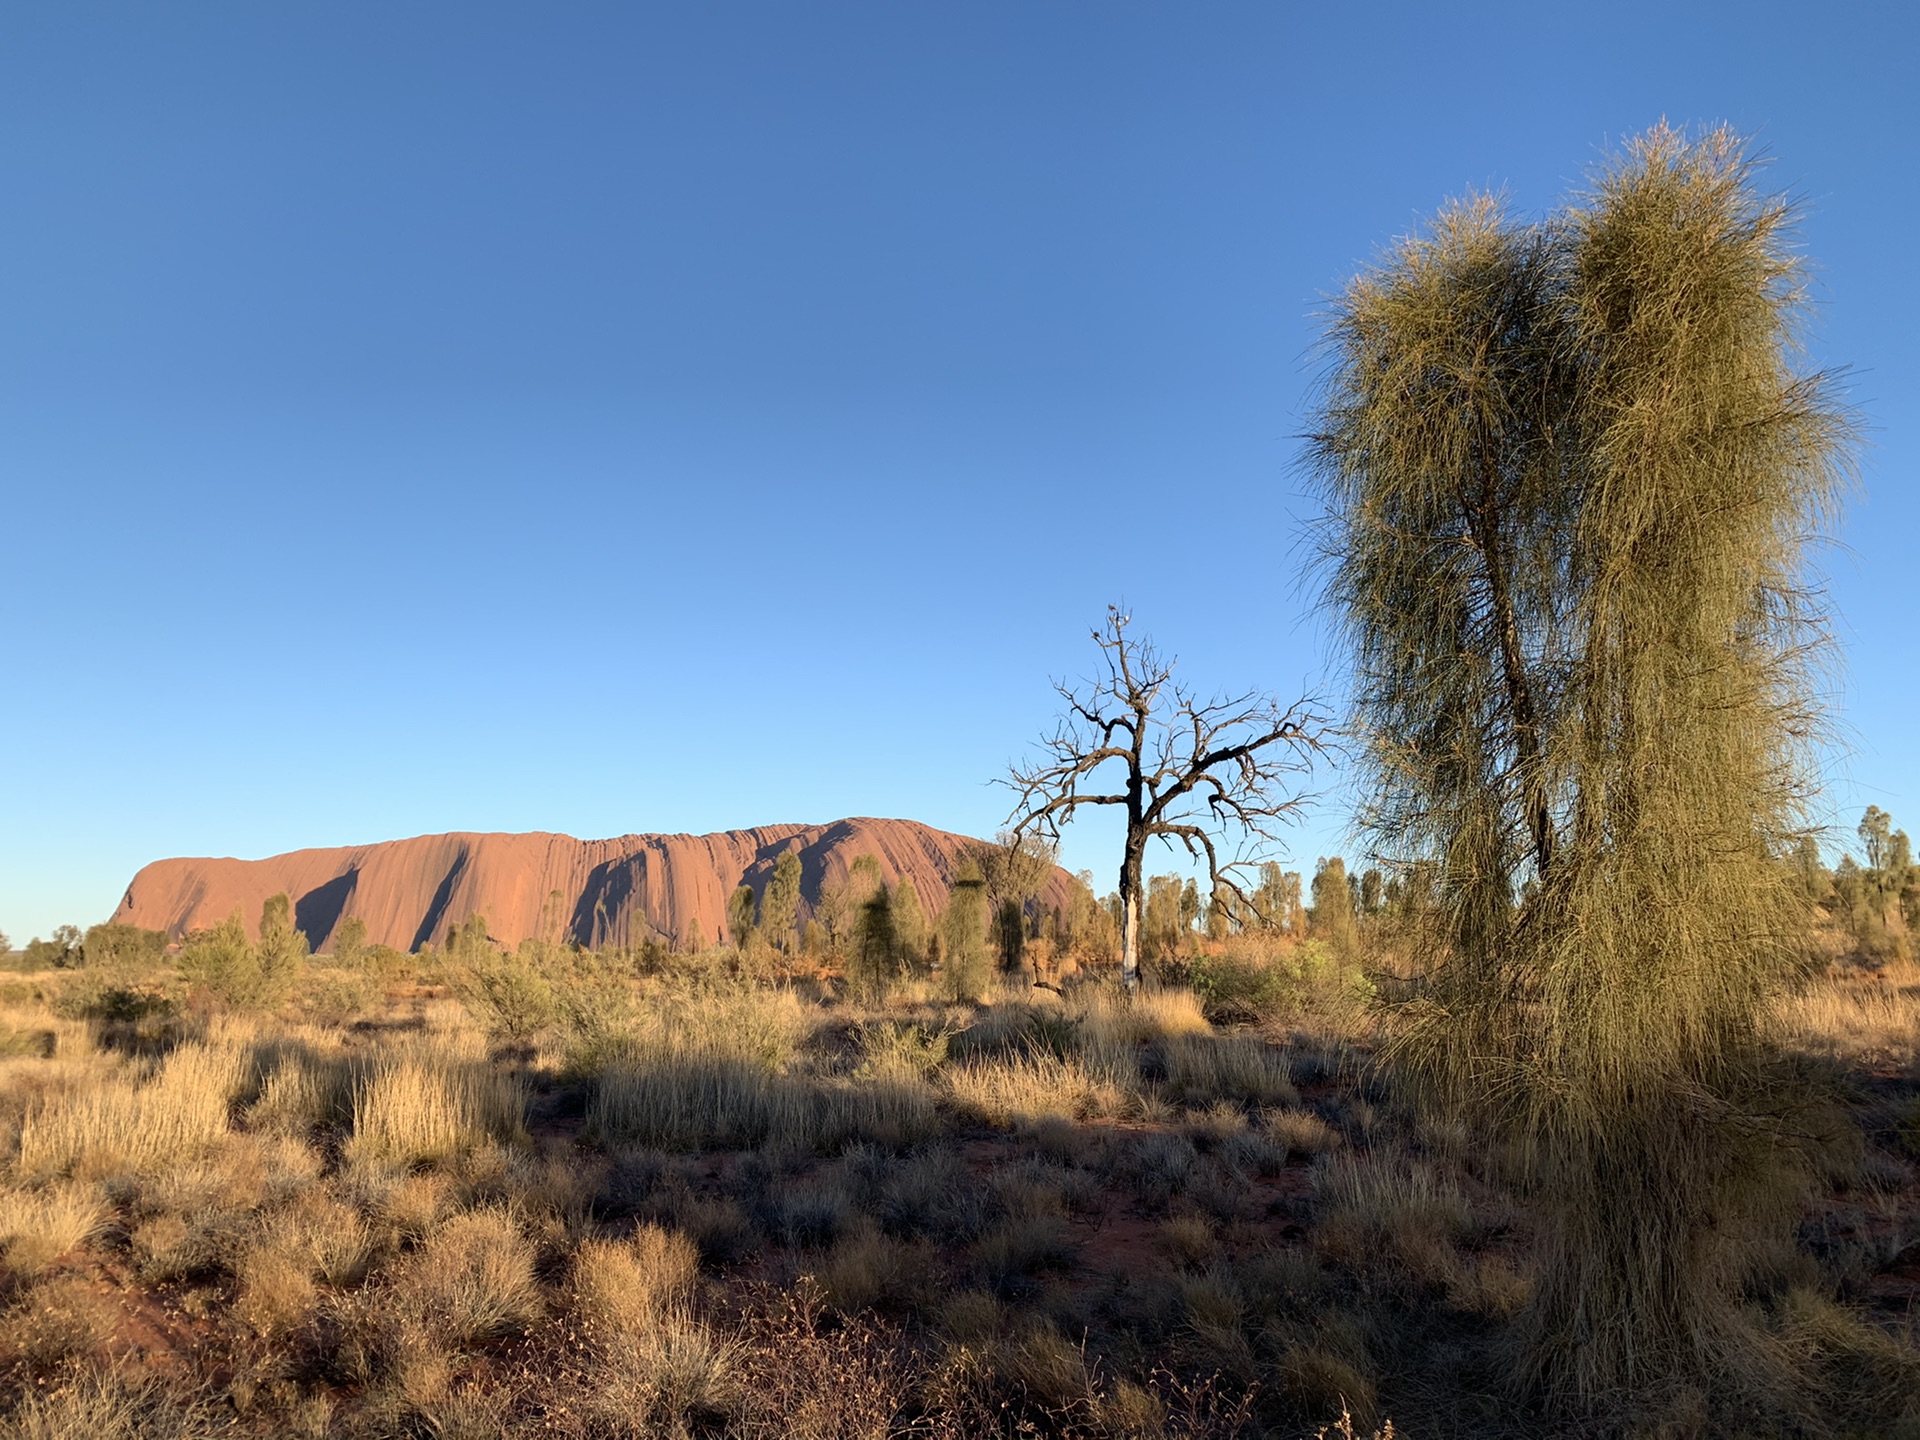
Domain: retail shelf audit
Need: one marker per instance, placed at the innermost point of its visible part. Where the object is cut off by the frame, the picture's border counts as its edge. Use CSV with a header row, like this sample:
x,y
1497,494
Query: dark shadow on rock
x,y
604,897
319,910
430,926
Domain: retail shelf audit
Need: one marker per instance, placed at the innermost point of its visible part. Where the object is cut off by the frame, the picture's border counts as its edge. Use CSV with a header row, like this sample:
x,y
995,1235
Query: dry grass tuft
x,y
1386,1209
332,1238
411,1207
1856,1016
474,1279
276,1295
431,1102
866,1268
1318,1382
37,1227
1490,1285
61,1323
623,1287
96,1406
1051,1369
1189,1240
1015,1250
1240,1069
695,1104
675,1376
1028,1088
127,1124
1301,1132
302,1092
1871,1377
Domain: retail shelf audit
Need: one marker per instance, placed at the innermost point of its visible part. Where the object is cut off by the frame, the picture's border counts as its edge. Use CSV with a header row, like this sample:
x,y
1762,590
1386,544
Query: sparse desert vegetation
x,y
691,1195
1588,1105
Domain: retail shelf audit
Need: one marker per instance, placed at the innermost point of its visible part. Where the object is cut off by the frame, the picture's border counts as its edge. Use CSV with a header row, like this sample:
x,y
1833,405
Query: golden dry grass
x,y
127,1121
432,1100
474,1279
623,1287
1856,1015
38,1226
1301,1132
93,1406
365,1206
1385,1209
1203,1069
1025,1088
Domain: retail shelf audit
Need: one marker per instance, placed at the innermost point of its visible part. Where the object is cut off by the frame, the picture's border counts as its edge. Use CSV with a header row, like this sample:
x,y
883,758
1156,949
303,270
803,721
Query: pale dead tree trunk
x,y
1187,771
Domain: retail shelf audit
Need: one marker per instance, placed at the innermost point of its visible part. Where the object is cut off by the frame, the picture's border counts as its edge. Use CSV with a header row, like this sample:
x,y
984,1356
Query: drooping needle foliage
x,y
1572,469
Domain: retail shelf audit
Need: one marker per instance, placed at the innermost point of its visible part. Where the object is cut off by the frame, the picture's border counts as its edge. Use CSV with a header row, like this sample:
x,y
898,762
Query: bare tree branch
x,y
1188,771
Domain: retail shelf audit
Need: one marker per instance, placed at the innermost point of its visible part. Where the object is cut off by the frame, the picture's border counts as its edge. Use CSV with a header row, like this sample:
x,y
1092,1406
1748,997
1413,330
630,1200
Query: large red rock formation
x,y
620,892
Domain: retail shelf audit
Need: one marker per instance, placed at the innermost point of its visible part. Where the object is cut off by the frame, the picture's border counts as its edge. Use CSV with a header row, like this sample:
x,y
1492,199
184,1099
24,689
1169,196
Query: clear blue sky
x,y
604,418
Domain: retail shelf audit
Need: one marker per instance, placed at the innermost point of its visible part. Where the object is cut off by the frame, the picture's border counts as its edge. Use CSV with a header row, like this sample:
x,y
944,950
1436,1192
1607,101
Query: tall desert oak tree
x,y
1572,469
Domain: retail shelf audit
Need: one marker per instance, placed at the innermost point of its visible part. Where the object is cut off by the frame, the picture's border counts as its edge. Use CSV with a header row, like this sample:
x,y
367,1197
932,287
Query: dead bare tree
x,y
1197,773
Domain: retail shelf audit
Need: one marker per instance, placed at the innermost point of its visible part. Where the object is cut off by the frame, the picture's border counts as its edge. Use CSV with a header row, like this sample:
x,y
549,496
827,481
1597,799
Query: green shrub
x,y
1255,982
224,963
509,995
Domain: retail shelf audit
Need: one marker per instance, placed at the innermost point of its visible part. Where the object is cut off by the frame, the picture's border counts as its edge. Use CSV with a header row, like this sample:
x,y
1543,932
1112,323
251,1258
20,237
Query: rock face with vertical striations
x,y
596,892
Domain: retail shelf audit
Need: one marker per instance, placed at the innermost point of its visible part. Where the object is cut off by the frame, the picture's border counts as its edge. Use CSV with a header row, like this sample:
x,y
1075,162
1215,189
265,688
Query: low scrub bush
x,y
225,964
1254,979
508,994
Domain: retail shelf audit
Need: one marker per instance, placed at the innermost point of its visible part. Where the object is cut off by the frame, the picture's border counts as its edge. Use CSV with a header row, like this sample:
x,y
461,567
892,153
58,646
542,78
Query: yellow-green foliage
x,y
509,993
225,963
1573,469
1257,977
